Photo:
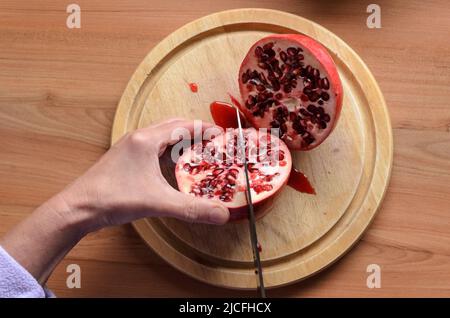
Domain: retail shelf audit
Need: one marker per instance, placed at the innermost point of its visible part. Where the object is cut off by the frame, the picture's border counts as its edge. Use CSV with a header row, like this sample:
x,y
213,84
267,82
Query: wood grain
x,y
59,89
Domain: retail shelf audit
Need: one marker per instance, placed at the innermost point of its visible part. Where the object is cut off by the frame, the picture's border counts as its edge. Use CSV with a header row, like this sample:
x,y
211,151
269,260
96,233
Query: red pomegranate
x,y
290,82
215,169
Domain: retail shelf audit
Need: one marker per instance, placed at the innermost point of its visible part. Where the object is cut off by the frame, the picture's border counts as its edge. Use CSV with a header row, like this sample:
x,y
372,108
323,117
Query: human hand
x,y
127,183
124,185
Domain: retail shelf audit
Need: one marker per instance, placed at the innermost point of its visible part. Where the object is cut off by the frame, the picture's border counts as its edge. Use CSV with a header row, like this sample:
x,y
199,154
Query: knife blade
x,y
251,214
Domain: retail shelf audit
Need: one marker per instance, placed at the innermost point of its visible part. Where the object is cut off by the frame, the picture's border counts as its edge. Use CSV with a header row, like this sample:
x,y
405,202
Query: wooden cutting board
x,y
350,171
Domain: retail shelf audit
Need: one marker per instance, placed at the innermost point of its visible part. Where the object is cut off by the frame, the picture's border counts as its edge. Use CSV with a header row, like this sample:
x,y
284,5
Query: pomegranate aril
x,y
296,71
225,198
298,127
260,88
195,170
245,77
314,97
316,73
283,129
320,110
275,123
308,138
292,51
325,96
287,89
325,83
270,53
311,108
216,172
233,172
263,65
292,116
304,98
258,51
275,85
268,46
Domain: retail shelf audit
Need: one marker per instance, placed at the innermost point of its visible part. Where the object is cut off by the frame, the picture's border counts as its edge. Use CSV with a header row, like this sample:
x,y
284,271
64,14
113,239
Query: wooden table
x,y
59,88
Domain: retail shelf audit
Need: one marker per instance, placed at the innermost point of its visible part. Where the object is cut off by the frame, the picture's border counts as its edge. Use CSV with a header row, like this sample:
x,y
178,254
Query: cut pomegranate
x,y
298,181
225,115
214,169
290,82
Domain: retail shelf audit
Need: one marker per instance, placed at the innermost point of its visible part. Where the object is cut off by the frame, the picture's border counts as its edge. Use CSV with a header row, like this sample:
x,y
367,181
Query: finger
x,y
186,129
192,126
192,209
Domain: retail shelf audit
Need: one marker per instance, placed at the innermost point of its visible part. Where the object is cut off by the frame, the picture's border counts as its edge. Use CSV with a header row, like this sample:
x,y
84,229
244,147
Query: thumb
x,y
196,210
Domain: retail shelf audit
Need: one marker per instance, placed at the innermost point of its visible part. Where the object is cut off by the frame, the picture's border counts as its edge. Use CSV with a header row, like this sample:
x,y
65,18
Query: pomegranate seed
x,y
268,46
292,51
304,98
325,83
260,88
307,91
325,96
258,51
245,78
233,172
314,97
270,53
309,139
216,172
316,73
311,108
195,170
292,116
287,89
263,65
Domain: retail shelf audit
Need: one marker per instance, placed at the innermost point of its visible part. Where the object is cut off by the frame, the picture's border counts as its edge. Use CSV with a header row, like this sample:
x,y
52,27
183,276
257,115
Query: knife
x,y
251,215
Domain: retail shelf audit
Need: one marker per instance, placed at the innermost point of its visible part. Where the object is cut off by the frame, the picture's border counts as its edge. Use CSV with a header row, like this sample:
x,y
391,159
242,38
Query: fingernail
x,y
219,215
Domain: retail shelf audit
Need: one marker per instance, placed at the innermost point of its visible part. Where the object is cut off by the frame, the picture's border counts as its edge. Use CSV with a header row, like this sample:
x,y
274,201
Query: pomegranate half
x,y
215,169
290,82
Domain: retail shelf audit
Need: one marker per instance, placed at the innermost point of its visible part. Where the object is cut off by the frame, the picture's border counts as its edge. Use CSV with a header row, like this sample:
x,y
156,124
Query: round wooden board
x,y
350,170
